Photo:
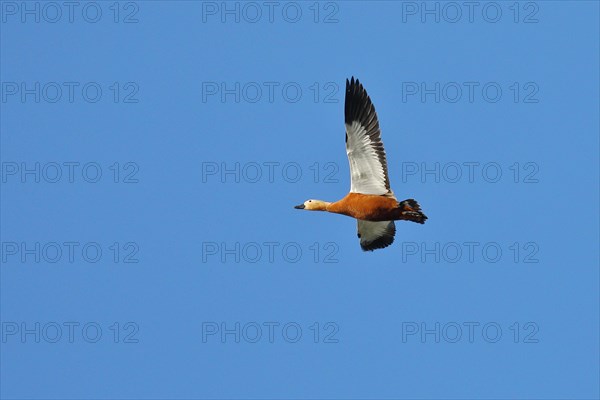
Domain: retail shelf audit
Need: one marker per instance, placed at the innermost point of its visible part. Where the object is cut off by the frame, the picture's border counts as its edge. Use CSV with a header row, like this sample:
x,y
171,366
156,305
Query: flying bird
x,y
371,200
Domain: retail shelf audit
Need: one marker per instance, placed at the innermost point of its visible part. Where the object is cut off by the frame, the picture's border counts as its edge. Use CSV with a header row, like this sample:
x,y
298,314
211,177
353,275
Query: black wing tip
x,y
352,83
380,243
358,105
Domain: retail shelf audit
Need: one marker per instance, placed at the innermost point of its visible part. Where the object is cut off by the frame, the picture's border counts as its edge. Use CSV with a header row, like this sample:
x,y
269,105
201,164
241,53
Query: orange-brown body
x,y
369,207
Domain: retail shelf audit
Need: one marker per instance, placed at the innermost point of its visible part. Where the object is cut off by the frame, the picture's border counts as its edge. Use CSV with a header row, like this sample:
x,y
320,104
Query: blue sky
x,y
152,153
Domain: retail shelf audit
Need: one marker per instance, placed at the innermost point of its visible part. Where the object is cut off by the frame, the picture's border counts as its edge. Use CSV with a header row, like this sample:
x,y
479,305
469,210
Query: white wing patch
x,y
368,164
367,173
375,235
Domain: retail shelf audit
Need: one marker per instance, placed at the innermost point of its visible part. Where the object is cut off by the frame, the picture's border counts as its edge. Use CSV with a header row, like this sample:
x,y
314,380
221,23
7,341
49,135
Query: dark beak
x,y
300,207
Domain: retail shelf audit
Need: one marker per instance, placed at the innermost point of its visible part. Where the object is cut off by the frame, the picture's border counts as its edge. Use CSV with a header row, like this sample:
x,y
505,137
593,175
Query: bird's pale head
x,y
313,205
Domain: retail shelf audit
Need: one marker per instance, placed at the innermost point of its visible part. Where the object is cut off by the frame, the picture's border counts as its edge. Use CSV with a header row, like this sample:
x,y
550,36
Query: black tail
x,y
411,211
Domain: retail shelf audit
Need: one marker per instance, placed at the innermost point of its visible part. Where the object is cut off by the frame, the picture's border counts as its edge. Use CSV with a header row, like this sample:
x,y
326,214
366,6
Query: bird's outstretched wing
x,y
375,235
368,165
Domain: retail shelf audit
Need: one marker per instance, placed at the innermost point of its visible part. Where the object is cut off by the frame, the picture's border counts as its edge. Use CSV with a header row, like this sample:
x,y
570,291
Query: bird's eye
x,y
310,201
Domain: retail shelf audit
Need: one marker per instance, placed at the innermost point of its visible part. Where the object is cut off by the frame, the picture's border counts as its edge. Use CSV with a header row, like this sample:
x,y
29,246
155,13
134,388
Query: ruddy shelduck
x,y
370,201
